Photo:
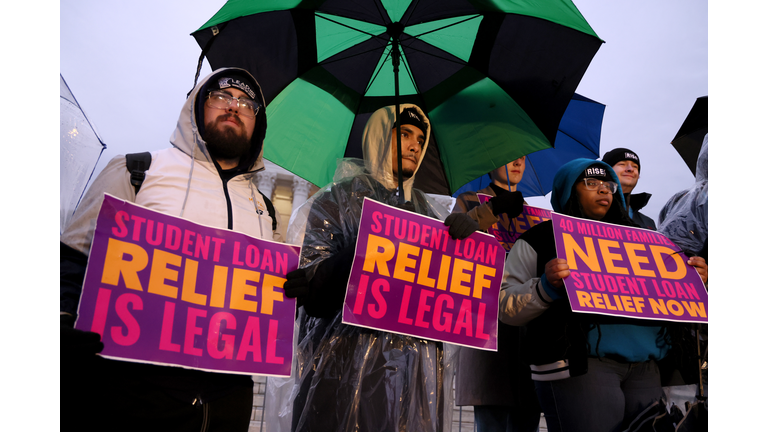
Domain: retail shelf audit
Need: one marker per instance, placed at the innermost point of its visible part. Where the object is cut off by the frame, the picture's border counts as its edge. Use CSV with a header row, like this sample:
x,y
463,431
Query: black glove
x,y
460,225
297,284
323,295
78,343
507,202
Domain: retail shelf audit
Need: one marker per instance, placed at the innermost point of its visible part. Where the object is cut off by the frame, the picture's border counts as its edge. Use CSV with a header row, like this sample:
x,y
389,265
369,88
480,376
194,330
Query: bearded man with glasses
x,y
207,176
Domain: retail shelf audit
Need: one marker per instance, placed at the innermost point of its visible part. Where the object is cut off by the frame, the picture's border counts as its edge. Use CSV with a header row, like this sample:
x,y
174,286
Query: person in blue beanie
x,y
591,372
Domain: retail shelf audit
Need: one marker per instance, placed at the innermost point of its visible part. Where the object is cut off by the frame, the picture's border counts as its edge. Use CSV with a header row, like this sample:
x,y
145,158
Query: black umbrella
x,y
494,77
688,140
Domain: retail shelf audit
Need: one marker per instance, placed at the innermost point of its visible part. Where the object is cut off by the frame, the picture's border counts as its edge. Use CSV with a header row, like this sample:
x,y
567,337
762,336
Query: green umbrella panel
x,y
494,77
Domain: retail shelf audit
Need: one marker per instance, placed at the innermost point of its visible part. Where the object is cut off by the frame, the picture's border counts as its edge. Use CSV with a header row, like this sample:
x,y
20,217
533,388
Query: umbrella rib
x,y
410,75
383,18
412,8
347,26
575,139
377,72
324,62
407,68
445,26
537,181
451,59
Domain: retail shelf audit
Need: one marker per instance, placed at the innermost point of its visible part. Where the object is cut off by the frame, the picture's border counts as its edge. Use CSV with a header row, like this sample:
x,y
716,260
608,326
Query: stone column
x,y
300,191
266,182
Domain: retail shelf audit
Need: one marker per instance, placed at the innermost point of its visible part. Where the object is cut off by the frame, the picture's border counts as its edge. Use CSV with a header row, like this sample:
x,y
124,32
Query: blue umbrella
x,y
578,136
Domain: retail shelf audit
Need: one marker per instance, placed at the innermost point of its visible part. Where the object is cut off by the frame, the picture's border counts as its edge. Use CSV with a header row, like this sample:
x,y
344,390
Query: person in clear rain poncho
x,y
351,378
684,218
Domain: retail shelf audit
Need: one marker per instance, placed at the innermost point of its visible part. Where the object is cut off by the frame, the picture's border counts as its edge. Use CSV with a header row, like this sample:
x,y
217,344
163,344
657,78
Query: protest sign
x,y
517,226
161,289
630,272
409,277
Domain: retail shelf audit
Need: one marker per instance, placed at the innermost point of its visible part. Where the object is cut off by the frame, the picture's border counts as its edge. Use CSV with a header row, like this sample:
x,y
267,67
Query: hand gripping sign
x,y
630,272
164,290
409,277
517,226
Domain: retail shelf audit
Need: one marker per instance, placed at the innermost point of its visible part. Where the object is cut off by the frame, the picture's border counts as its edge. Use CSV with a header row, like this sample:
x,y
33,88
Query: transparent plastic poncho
x,y
684,218
349,378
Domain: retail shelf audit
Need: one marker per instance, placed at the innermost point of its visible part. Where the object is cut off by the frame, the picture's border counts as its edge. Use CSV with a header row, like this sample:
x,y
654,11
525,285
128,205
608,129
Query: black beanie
x,y
596,171
229,78
620,154
236,80
412,117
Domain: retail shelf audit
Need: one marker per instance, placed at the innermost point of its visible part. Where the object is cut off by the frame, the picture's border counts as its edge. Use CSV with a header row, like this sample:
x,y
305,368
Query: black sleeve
x,y
329,283
72,268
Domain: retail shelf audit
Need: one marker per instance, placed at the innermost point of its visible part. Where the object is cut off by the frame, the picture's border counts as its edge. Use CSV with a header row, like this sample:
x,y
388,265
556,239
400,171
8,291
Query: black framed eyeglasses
x,y
595,184
221,100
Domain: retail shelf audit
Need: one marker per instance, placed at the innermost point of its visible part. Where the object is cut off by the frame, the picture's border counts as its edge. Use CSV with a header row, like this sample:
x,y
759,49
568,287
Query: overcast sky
x,y
648,73
130,65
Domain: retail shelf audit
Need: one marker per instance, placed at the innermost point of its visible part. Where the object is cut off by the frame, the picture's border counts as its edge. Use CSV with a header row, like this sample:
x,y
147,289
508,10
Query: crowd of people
x,y
352,378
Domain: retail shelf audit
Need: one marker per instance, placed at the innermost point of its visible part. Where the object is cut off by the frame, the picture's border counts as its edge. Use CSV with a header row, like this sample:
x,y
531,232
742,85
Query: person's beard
x,y
407,172
225,142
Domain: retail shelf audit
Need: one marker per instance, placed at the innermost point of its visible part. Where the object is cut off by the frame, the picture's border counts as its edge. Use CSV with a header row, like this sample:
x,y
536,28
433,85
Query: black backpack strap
x,y
137,164
270,209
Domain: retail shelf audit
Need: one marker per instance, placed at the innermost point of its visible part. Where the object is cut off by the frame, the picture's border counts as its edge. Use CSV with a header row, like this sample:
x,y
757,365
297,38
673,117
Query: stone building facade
x,y
288,191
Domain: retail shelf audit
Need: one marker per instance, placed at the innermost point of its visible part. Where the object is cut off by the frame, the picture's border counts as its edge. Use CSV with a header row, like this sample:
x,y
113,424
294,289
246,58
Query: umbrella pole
x,y
396,69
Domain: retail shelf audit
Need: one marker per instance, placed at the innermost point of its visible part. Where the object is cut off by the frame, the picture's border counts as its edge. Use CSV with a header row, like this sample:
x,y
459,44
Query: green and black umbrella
x,y
494,77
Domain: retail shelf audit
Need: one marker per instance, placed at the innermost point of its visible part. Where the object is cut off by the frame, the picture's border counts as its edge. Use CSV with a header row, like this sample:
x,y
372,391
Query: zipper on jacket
x,y
224,183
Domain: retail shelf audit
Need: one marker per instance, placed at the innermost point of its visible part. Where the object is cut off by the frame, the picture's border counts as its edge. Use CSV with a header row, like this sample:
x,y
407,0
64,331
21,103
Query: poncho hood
x,y
377,147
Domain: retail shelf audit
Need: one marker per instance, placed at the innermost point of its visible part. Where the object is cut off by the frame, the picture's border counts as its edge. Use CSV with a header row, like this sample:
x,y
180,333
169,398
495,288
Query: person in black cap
x,y
206,176
413,131
626,164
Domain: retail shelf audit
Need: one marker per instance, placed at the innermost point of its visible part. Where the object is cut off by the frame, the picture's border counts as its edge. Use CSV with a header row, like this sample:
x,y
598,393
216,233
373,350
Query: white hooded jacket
x,y
183,181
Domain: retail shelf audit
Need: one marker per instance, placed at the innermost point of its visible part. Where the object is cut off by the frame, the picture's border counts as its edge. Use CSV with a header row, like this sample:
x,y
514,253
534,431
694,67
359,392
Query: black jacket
x,y
636,202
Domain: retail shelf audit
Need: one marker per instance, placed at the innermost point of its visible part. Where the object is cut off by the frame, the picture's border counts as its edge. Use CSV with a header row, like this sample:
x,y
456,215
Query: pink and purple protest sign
x,y
630,272
517,226
164,290
409,277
